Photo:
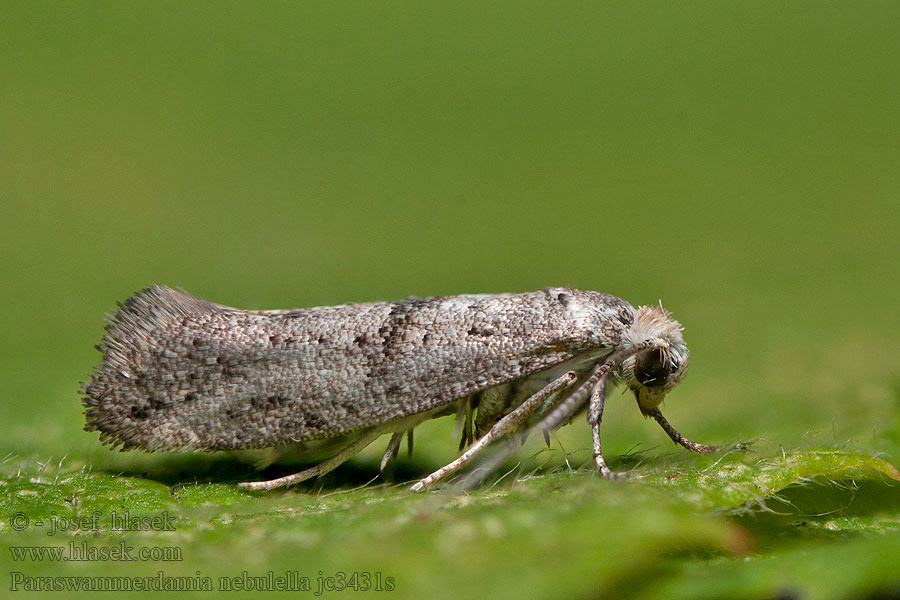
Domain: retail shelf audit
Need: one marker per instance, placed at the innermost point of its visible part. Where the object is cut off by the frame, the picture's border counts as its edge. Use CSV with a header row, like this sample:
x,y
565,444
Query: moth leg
x,y
468,432
571,403
394,443
465,427
509,423
548,408
677,437
594,417
391,450
348,451
550,404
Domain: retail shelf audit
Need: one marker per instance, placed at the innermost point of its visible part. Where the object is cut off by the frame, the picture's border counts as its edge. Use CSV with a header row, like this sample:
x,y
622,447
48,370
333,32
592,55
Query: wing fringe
x,y
129,331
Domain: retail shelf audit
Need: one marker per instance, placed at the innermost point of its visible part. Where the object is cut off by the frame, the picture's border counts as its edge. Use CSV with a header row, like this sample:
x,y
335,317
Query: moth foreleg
x,y
366,437
571,403
507,424
677,437
594,417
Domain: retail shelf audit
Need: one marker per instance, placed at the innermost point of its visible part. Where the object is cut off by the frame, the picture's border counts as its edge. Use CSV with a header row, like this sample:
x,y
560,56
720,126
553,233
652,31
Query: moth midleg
x,y
408,425
468,430
366,437
677,437
594,417
391,451
465,417
509,423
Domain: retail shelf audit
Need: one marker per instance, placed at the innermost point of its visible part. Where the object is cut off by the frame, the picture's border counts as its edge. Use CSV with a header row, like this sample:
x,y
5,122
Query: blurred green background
x,y
740,162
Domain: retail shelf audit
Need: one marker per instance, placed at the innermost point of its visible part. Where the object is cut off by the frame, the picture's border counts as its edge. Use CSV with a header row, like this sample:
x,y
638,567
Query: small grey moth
x,y
181,373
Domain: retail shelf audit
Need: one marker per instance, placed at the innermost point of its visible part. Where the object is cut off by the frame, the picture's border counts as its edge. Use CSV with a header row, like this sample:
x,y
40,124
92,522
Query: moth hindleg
x,y
366,437
507,424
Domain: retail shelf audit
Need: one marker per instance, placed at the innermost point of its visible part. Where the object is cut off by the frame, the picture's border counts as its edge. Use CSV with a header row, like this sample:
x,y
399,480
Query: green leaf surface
x,y
731,482
662,525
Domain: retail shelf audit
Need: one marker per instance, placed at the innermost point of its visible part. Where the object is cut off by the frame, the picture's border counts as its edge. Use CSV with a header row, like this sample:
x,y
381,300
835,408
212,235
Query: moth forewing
x,y
179,372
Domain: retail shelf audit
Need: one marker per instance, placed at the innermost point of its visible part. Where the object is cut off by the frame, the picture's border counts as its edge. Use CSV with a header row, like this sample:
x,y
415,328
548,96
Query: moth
x,y
181,373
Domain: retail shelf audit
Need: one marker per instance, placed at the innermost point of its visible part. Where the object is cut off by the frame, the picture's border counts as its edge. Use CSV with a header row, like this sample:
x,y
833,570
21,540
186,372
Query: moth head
x,y
652,373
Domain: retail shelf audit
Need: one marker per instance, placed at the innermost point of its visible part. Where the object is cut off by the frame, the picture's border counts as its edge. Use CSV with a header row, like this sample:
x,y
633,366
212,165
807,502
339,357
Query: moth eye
x,y
651,370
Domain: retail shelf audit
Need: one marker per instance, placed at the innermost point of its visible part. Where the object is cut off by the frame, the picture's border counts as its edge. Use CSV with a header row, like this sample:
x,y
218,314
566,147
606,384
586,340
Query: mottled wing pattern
x,y
180,372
